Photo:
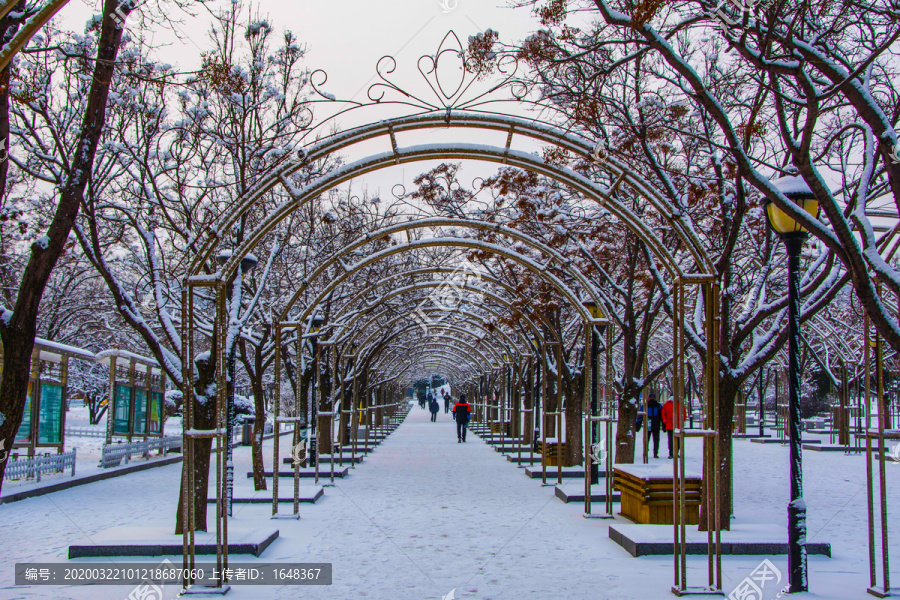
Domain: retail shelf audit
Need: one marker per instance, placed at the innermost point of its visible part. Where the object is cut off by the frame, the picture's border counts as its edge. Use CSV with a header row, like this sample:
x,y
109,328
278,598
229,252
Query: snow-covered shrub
x,y
172,400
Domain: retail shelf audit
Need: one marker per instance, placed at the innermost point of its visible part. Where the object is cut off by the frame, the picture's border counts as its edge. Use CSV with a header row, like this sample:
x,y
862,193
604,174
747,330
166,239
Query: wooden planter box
x,y
551,452
648,499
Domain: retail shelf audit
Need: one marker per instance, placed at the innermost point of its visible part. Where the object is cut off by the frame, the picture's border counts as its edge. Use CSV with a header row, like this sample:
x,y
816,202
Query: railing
x,y
33,467
113,454
86,431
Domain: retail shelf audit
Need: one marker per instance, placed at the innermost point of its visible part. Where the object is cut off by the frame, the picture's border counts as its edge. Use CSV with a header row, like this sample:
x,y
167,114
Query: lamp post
x,y
248,263
597,313
793,235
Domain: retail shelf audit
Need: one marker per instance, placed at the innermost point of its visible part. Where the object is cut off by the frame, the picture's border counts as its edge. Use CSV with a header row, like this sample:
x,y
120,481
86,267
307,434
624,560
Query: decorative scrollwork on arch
x,y
450,76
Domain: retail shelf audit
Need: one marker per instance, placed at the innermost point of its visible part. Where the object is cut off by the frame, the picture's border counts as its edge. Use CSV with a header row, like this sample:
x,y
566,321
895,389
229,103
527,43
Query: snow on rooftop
x,y
53,351
141,362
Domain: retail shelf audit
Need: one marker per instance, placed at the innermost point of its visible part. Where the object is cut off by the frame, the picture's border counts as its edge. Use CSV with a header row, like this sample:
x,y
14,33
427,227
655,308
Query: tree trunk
x,y
528,404
17,329
324,422
625,435
728,391
204,418
259,430
574,424
346,405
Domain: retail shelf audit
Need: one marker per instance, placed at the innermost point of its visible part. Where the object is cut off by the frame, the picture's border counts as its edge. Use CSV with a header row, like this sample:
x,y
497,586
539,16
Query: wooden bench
x,y
647,494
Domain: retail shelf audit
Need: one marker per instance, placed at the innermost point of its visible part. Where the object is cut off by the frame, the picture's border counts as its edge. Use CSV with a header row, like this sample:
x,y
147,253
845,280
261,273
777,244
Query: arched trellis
x,y
392,358
388,129
363,355
464,286
486,358
356,324
482,276
539,270
495,353
502,155
463,317
440,352
374,330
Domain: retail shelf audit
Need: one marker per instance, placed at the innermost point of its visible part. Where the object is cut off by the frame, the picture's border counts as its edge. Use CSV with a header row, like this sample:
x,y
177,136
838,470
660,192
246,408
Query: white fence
x,y
113,454
85,432
33,467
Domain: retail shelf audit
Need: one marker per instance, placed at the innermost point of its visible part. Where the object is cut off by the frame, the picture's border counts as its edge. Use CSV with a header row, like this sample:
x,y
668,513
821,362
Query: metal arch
x,y
455,354
554,281
449,370
350,323
459,353
430,270
384,329
388,128
382,355
492,355
471,318
28,28
434,222
376,348
451,376
389,342
444,361
432,357
443,152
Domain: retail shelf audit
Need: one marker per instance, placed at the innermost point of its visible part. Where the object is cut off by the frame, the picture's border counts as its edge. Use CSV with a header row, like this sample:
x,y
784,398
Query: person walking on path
x,y
462,412
435,408
668,418
446,402
654,416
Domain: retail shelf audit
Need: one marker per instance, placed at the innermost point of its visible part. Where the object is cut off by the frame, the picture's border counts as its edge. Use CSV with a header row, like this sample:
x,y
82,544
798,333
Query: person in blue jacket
x,y
654,416
434,407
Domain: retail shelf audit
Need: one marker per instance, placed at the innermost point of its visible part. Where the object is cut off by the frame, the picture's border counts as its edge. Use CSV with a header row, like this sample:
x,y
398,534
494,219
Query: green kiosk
x,y
136,387
44,422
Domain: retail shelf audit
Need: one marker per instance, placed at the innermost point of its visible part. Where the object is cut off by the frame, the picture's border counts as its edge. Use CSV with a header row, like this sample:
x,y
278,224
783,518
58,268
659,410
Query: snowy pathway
x,y
423,515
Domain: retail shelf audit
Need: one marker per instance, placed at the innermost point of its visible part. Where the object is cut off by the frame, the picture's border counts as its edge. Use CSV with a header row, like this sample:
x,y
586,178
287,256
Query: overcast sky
x,y
346,38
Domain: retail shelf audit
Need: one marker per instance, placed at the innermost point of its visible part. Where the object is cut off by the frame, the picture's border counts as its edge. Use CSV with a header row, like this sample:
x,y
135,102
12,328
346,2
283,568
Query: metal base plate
x,y
696,591
206,590
879,592
286,516
596,516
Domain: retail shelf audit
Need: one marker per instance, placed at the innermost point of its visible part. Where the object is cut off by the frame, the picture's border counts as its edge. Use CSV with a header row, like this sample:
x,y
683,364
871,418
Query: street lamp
x,y
248,263
596,313
793,235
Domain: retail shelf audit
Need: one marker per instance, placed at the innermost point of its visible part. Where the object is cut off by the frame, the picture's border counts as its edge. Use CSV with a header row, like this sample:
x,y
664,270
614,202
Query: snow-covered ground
x,y
423,515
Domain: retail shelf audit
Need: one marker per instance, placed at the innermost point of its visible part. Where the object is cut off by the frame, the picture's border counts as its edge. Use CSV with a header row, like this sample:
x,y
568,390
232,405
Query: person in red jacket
x,y
668,419
461,413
